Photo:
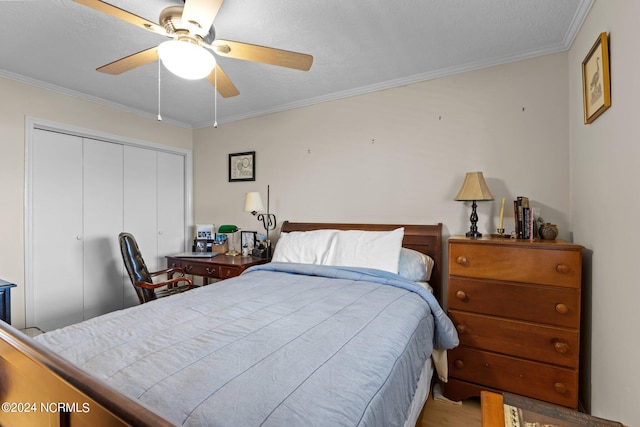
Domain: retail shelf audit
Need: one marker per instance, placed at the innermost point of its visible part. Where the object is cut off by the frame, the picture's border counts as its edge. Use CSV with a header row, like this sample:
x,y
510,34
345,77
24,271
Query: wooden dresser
x,y
516,306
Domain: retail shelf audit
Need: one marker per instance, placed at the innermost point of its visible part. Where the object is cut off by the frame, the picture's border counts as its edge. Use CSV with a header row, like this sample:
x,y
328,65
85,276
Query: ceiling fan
x,y
189,52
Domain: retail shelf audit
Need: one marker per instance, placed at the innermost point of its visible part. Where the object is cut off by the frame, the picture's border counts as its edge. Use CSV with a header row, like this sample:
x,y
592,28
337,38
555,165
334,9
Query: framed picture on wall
x,y
596,83
242,166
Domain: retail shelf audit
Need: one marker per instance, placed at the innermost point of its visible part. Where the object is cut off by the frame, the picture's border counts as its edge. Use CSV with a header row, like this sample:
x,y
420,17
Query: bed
x,y
285,343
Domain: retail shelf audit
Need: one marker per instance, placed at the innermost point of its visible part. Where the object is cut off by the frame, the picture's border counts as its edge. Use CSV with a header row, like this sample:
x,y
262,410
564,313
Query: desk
x,y
218,267
5,300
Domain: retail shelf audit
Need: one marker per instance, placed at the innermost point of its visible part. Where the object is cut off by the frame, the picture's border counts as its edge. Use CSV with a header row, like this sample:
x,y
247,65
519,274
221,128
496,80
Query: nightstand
x,y
218,267
5,301
516,306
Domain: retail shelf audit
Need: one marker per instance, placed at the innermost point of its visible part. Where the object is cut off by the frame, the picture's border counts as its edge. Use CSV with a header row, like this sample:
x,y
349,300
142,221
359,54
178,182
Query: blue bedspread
x,y
281,345
446,336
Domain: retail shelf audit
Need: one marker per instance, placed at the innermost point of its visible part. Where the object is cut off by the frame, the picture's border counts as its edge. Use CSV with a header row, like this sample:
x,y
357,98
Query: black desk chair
x,y
142,279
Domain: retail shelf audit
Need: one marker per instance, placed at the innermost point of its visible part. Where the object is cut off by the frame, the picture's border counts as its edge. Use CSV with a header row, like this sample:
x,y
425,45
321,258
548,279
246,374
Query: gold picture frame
x,y
596,82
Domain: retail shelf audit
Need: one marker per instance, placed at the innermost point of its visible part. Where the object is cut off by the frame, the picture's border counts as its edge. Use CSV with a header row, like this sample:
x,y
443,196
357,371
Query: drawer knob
x,y
461,329
188,267
560,388
461,295
210,271
459,364
562,268
462,260
561,347
562,308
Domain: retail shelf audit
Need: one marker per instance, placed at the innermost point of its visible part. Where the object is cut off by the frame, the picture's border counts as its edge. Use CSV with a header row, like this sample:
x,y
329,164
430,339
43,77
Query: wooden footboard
x,y
38,388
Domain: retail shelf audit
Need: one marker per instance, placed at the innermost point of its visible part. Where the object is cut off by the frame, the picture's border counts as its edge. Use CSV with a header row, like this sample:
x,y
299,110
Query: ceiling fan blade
x,y
225,87
266,55
122,14
130,62
201,13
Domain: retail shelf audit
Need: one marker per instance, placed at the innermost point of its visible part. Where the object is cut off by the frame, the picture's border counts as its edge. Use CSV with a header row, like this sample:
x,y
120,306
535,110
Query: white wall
x,y
22,100
604,177
400,155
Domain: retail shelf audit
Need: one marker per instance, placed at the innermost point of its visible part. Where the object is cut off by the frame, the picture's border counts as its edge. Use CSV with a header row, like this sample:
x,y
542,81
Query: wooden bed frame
x,y
37,387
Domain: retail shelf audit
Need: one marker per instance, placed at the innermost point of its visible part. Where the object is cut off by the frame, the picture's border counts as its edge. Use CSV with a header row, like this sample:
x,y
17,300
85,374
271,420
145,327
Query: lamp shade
x,y
474,187
186,59
253,202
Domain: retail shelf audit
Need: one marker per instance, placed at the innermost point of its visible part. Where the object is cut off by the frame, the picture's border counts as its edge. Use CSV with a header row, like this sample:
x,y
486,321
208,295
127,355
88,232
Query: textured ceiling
x,y
358,47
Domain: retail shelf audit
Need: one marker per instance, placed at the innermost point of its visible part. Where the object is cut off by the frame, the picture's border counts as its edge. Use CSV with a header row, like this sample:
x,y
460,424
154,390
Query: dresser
x,y
516,306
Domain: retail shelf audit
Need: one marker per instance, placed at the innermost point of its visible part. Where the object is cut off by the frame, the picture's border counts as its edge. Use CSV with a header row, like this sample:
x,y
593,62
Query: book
x,y
519,205
524,412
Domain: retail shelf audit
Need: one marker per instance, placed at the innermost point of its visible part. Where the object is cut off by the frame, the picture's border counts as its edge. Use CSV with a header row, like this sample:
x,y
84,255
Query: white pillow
x,y
351,248
414,265
370,249
307,247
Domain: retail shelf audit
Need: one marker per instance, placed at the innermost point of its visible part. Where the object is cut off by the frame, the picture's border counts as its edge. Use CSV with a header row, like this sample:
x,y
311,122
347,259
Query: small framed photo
x,y
201,245
596,83
242,166
204,231
248,239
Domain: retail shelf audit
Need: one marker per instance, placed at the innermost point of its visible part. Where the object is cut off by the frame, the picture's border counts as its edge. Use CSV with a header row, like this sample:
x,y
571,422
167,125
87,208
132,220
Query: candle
x,y
531,225
501,214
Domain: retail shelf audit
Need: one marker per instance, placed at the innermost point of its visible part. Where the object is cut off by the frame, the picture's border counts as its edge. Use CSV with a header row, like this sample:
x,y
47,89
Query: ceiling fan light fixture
x,y
186,59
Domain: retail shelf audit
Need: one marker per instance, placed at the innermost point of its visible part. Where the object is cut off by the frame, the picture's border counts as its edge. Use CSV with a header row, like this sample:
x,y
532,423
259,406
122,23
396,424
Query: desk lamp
x,y
474,188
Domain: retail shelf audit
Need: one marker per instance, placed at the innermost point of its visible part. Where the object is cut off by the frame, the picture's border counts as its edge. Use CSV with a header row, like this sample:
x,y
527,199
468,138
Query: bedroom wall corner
x,y
604,164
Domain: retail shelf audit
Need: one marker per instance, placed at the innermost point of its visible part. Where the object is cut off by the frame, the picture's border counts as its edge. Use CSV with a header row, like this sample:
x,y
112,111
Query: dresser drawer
x,y
546,266
534,303
525,377
559,346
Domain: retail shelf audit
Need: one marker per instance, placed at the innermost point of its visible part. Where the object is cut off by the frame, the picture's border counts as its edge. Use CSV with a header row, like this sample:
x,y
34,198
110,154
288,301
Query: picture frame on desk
x,y
248,238
200,245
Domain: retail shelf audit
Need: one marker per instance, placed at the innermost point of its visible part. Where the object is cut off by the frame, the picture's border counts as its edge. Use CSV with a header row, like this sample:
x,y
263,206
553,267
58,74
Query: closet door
x,y
56,230
171,205
140,207
103,220
82,194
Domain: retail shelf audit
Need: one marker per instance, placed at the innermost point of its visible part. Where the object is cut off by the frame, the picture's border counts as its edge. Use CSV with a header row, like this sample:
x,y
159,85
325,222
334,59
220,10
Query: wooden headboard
x,y
422,238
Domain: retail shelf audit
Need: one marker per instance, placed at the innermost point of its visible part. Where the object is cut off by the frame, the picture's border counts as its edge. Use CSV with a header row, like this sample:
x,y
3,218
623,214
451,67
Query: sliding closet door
x,y
82,193
56,230
140,207
171,205
103,220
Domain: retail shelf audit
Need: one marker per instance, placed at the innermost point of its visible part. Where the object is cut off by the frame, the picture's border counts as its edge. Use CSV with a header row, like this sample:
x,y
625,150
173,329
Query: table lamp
x,y
474,188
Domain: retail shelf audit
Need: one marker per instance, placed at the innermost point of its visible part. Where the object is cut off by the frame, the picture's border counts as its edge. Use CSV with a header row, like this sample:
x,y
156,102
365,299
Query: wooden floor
x,y
440,413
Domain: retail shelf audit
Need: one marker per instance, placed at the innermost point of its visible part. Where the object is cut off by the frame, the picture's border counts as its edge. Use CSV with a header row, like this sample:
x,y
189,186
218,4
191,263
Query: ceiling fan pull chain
x,y
159,72
215,97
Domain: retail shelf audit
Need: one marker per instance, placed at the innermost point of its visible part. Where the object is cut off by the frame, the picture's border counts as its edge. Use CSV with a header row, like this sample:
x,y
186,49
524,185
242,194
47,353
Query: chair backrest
x,y
136,267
